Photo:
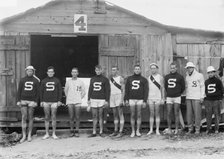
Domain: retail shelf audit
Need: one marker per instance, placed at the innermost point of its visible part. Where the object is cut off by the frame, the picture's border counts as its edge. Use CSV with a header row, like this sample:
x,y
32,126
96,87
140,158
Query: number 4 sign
x,y
80,23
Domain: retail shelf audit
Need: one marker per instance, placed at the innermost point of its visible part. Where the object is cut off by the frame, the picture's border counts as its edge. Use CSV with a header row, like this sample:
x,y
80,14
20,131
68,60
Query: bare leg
x,y
169,116
30,110
71,116
157,113
54,122
139,119
132,108
151,118
101,119
115,113
95,116
77,118
177,119
24,122
121,116
47,120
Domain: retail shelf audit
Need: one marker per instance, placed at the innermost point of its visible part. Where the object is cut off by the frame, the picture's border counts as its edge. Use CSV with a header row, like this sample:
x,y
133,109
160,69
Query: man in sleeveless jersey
x,y
136,94
50,98
174,85
156,97
195,93
27,98
116,101
75,92
98,98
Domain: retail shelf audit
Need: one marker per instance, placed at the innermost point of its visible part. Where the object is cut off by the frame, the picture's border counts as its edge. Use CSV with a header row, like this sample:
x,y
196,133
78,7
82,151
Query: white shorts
x,y
133,102
170,100
75,105
115,100
50,104
154,101
28,103
96,103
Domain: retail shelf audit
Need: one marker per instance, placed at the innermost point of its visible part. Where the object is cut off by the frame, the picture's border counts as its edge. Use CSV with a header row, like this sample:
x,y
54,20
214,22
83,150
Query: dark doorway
x,y
64,53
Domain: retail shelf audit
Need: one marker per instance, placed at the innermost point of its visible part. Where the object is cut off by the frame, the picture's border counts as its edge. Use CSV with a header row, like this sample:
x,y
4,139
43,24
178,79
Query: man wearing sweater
x,y
214,94
98,98
50,98
136,95
27,97
195,90
174,85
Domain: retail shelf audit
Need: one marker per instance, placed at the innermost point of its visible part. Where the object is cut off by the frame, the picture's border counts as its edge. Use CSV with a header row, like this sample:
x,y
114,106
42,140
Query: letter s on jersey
x,y
211,88
97,86
28,86
135,84
172,82
50,86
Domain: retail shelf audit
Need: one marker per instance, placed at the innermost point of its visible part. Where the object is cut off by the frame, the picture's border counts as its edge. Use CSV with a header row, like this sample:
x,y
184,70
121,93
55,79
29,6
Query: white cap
x,y
153,64
30,68
190,64
210,69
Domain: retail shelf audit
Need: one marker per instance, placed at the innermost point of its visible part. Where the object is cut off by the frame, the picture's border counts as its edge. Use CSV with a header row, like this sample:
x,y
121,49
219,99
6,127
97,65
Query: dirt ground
x,y
145,147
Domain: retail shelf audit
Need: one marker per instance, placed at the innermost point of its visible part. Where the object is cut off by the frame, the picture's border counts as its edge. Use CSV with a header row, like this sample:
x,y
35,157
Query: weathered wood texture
x,y
202,55
156,49
58,17
12,64
118,50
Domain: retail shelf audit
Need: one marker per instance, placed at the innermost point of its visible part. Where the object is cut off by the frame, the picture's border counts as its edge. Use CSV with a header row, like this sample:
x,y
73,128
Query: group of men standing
x,y
136,92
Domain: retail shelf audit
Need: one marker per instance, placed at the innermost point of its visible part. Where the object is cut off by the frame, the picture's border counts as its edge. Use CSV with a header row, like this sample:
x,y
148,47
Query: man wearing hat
x,y
27,97
156,97
214,94
195,92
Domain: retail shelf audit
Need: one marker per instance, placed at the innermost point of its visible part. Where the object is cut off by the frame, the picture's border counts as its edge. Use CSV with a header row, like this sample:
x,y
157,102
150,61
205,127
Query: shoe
x,y
46,136
138,134
102,135
189,132
176,132
132,134
197,132
150,132
113,134
216,131
92,135
76,133
119,135
54,137
169,131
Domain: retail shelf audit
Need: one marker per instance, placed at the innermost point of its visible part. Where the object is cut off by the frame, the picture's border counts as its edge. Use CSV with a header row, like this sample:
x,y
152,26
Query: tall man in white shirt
x,y
74,91
195,93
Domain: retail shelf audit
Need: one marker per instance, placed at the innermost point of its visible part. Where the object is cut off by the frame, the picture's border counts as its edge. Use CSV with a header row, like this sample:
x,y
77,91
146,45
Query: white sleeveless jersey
x,y
74,91
154,91
114,89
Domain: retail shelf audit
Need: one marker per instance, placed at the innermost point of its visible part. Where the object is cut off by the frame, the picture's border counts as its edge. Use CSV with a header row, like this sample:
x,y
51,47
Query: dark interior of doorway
x,y
64,53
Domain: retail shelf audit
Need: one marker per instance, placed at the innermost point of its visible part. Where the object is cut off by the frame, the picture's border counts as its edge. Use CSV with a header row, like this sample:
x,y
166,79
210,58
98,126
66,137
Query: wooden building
x,y
107,34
